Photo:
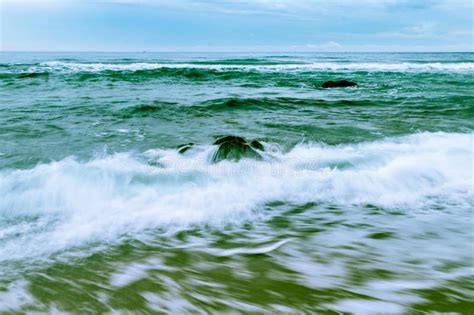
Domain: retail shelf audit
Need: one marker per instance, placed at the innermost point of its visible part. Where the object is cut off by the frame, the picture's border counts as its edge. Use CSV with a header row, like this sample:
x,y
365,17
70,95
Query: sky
x,y
236,25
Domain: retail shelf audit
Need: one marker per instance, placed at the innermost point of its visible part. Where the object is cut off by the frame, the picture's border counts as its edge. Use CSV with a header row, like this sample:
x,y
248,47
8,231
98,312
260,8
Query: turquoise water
x,y
362,202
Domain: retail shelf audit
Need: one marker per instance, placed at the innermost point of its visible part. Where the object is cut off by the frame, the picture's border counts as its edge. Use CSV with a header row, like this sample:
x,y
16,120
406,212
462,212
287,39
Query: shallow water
x,y
363,201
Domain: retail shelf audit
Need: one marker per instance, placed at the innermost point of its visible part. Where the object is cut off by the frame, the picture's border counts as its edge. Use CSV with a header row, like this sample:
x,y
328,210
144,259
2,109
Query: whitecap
x,y
55,66
70,203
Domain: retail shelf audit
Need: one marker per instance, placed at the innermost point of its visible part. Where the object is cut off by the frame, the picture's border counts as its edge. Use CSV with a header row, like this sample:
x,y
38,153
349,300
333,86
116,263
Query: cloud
x,y
423,28
302,9
330,46
30,2
285,7
465,32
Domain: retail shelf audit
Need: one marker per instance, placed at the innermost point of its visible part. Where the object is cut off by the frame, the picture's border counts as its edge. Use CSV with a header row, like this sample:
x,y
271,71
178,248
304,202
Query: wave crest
x,y
316,66
58,206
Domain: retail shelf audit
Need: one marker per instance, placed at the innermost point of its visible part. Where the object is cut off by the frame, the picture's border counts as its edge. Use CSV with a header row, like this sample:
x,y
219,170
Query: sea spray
x,y
72,203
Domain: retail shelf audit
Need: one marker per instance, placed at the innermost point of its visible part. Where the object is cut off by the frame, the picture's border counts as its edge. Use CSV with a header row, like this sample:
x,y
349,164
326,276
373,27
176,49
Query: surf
x,y
67,204
61,66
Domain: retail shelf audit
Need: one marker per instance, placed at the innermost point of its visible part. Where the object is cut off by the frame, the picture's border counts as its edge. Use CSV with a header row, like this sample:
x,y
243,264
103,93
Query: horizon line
x,y
227,52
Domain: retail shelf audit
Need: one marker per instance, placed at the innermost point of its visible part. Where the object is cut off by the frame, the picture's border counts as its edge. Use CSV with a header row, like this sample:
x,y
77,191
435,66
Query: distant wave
x,y
61,205
246,61
322,66
130,73
209,107
276,71
462,107
32,74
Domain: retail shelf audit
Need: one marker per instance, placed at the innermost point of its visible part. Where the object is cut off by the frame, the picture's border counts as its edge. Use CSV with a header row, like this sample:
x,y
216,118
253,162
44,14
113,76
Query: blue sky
x,y
236,25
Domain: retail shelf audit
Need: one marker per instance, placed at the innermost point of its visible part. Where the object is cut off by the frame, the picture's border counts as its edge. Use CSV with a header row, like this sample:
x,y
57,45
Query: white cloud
x,y
287,7
465,32
331,45
423,28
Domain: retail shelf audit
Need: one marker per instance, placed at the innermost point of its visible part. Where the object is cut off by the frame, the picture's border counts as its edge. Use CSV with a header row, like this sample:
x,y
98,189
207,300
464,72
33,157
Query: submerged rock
x,y
235,148
256,145
185,147
230,139
336,84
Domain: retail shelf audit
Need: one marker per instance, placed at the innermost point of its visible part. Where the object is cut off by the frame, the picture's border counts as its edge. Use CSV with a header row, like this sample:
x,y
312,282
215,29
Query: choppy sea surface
x,y
363,202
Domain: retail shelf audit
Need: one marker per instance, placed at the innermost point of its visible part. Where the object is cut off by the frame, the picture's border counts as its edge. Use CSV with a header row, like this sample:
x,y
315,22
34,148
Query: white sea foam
x,y
58,206
15,297
316,66
249,250
354,306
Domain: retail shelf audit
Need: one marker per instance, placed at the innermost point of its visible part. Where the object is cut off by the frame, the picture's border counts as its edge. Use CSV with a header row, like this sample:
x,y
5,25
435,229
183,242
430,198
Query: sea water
x,y
363,201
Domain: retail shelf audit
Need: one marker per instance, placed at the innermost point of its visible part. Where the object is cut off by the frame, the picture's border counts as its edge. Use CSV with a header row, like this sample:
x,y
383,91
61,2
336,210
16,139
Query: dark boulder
x,y
235,148
337,84
256,145
229,139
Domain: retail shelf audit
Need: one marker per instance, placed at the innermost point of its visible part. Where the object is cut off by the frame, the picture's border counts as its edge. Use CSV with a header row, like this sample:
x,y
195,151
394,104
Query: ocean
x,y
362,200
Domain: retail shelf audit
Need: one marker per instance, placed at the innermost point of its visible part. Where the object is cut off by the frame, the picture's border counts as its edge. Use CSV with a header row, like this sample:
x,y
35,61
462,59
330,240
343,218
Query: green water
x,y
362,202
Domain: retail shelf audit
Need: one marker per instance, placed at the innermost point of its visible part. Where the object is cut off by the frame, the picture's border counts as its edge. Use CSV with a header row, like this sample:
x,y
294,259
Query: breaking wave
x,y
69,203
221,68
405,66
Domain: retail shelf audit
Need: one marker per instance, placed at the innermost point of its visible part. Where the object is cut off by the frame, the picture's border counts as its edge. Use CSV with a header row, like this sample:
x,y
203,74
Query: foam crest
x,y
315,66
66,204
